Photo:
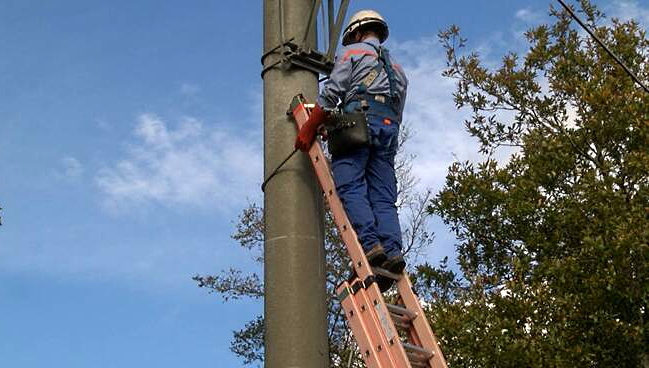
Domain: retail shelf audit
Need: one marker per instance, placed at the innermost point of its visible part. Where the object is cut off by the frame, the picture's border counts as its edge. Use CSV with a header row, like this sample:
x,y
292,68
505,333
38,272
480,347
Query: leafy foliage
x,y
248,343
552,244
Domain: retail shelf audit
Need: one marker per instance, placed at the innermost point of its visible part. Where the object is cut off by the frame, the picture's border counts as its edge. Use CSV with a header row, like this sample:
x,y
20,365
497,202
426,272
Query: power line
x,y
599,41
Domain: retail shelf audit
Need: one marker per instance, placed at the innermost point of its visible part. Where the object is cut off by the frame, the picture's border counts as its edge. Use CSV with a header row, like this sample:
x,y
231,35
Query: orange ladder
x,y
375,324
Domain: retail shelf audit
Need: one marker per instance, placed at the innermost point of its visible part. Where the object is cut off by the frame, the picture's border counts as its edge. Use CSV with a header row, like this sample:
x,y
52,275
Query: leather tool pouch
x,y
347,132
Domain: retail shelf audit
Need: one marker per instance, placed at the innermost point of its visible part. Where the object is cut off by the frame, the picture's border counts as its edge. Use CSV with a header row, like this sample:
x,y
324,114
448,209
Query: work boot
x,y
394,264
376,256
384,283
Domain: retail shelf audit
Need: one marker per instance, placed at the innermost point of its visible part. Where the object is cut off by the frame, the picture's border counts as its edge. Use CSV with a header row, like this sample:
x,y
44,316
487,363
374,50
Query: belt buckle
x,y
379,98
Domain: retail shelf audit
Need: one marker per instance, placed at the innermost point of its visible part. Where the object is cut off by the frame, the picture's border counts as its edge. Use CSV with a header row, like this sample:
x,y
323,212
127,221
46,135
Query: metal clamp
x,y
292,54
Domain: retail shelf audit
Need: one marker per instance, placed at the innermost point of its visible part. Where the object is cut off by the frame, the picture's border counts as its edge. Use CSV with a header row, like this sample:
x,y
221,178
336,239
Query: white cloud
x,y
628,9
189,88
186,167
193,164
524,20
440,137
71,168
103,125
528,15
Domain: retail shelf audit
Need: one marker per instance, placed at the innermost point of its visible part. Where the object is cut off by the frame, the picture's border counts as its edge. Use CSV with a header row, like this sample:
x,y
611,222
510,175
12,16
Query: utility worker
x,y
365,78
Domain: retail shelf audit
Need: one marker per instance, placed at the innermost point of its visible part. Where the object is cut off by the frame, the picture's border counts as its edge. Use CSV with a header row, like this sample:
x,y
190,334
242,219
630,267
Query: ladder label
x,y
384,318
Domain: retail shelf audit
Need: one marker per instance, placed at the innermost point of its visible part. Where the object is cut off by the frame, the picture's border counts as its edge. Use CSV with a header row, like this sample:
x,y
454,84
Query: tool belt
x,y
347,132
348,128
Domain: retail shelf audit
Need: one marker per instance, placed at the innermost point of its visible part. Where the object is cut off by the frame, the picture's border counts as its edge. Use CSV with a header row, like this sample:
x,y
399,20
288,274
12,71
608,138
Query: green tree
x,y
233,284
553,243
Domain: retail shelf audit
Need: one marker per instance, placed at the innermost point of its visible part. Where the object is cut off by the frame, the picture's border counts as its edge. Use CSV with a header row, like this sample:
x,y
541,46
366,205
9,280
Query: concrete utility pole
x,y
294,276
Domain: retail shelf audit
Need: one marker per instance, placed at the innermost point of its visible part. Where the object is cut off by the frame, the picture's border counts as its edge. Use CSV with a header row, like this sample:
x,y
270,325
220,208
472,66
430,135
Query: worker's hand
x,y
307,133
322,130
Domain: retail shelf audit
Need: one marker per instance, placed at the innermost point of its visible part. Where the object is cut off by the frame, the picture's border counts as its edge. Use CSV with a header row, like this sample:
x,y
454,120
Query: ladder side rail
x,y
347,232
390,335
420,323
354,249
380,314
362,329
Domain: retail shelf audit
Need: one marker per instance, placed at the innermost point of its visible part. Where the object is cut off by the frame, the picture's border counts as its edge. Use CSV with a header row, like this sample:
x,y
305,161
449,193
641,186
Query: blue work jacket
x,y
353,63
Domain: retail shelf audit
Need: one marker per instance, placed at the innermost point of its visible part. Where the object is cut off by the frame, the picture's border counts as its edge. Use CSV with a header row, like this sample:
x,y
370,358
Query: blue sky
x,y
130,138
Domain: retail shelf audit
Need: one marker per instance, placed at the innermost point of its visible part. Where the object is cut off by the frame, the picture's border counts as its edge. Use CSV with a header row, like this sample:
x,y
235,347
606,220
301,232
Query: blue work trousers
x,y
367,185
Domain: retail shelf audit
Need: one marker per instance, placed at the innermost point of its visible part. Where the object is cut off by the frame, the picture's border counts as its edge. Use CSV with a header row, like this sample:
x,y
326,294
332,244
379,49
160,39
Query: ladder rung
x,y
419,364
402,321
417,359
401,324
401,312
417,352
385,273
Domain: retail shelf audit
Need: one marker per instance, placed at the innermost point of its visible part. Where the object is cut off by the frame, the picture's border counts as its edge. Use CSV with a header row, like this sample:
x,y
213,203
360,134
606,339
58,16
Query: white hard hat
x,y
361,19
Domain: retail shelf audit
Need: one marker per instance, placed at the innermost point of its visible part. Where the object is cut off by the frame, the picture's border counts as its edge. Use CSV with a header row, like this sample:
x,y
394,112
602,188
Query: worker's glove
x,y
307,133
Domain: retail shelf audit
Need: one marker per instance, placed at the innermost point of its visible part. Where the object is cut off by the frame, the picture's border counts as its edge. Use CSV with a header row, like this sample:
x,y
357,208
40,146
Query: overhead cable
x,y
599,41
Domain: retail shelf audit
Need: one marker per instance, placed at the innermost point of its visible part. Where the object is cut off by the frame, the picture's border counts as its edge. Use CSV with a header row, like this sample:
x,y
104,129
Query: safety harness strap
x,y
384,63
389,69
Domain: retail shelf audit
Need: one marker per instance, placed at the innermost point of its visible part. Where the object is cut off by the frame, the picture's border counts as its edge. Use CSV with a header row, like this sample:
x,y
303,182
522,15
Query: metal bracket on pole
x,y
294,55
334,28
